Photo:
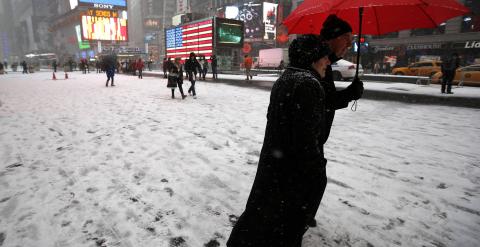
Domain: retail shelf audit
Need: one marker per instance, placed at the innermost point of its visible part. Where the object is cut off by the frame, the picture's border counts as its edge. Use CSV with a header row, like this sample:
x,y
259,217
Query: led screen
x,y
81,44
103,28
195,37
230,33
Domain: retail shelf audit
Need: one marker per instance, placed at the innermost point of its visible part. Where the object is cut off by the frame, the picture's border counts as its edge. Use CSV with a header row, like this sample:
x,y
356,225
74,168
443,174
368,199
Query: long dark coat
x,y
291,167
175,75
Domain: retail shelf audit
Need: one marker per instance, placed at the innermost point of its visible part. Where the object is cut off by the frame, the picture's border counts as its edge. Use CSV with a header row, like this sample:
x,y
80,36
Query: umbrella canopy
x,y
373,16
379,16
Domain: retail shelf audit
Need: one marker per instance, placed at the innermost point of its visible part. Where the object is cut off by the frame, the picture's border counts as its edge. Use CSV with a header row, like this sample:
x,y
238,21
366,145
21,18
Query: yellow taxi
x,y
468,76
425,68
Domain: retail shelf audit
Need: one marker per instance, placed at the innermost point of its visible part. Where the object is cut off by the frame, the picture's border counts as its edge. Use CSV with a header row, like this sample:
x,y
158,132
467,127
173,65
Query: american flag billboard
x,y
194,37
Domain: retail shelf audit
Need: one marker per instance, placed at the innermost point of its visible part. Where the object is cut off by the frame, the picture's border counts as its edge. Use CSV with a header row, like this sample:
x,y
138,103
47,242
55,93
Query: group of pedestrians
x,y
193,69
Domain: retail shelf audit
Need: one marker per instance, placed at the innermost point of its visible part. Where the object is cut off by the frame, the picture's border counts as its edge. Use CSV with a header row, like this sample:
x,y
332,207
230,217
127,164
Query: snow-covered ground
x,y
85,165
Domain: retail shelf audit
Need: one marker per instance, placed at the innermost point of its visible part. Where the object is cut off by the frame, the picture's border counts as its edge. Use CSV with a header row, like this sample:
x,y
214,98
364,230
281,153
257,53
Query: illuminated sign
x,y
195,37
152,23
105,28
82,45
101,13
104,4
270,20
251,15
229,32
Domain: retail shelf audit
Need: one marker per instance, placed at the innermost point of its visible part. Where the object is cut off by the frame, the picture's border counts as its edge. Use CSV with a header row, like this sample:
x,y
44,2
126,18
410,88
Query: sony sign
x,y
102,6
472,44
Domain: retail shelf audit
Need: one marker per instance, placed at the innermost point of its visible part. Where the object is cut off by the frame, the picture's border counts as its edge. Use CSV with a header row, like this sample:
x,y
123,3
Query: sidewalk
x,y
403,92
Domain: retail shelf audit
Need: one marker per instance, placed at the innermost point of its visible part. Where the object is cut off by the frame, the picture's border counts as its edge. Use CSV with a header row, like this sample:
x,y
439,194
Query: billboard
x,y
194,37
251,15
229,32
107,4
270,20
105,28
82,45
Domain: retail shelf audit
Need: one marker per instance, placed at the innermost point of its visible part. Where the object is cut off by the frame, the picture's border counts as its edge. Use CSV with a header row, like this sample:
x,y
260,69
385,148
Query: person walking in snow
x,y
24,67
140,65
165,64
110,71
175,77
291,163
54,65
204,68
247,63
449,67
191,66
213,60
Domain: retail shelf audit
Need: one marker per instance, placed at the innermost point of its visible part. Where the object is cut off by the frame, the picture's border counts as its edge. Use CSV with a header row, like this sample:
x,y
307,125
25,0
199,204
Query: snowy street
x,y
86,165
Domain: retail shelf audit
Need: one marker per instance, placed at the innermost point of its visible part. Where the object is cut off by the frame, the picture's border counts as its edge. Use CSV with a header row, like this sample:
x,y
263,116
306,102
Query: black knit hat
x,y
305,50
334,27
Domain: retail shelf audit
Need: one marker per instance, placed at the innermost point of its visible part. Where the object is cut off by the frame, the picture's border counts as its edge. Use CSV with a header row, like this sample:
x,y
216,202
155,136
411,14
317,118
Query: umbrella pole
x,y
360,12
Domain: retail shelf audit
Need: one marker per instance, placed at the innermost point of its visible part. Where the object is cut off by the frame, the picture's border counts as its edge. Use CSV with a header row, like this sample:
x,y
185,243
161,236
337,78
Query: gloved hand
x,y
356,89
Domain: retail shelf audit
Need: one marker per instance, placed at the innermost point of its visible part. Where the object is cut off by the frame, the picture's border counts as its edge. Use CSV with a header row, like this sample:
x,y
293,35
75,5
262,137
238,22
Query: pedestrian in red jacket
x,y
140,65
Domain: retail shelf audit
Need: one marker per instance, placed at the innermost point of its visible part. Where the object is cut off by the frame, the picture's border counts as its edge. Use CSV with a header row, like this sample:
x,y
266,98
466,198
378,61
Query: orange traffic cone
x,y
66,75
54,77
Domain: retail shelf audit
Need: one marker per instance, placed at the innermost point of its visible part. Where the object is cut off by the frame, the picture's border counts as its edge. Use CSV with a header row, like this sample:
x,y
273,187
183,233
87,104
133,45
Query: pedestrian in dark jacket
x,y
213,60
449,67
24,67
292,164
175,77
110,70
165,65
191,66
337,33
54,65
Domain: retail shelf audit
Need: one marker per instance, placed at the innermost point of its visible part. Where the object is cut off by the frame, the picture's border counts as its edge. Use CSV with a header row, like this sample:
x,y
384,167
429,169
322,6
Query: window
x,y
428,31
386,36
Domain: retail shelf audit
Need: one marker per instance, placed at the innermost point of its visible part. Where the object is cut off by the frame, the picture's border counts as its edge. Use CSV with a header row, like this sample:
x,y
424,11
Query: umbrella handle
x,y
360,12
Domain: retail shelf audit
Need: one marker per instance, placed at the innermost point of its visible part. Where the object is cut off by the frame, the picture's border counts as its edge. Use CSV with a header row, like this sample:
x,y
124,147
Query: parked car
x,y
425,68
469,76
344,69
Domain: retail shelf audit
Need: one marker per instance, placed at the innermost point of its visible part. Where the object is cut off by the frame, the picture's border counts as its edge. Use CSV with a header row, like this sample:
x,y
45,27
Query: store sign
x,y
472,44
104,4
424,46
383,48
102,13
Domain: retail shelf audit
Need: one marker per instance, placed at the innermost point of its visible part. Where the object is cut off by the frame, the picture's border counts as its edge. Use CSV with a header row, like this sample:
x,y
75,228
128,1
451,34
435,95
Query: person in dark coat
x,y
191,66
175,77
24,67
110,70
337,34
449,67
165,65
292,162
214,64
54,65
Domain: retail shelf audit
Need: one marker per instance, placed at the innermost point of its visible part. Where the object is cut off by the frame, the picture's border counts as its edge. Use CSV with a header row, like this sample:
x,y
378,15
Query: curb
x,y
447,100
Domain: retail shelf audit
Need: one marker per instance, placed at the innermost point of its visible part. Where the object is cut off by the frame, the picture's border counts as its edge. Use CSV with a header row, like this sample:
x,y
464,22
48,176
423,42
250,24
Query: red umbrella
x,y
378,16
